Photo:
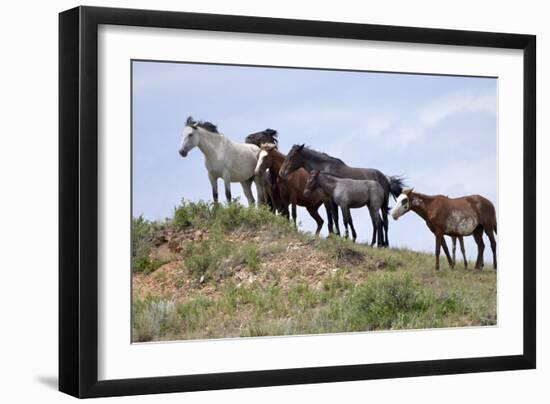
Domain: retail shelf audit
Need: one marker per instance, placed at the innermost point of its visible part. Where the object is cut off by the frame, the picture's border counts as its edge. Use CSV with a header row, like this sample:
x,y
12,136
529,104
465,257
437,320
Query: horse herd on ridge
x,y
309,178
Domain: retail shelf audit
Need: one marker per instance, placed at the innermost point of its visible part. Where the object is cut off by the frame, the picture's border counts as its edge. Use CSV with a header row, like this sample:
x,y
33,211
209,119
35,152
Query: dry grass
x,y
256,281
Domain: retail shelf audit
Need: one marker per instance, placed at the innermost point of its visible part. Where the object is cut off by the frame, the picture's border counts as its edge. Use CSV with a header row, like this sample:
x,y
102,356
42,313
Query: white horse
x,y
234,162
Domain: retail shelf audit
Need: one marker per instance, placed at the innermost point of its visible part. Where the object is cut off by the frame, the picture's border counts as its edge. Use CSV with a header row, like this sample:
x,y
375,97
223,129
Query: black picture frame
x,y
78,201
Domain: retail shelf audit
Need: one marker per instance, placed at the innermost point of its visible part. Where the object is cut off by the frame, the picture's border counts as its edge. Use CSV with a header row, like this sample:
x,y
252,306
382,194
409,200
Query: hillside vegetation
x,y
231,271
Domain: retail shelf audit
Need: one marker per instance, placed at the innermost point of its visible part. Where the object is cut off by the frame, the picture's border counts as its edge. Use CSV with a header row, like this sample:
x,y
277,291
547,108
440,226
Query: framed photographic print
x,y
250,201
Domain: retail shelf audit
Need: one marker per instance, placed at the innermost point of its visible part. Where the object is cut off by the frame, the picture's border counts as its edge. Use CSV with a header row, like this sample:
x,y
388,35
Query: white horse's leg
x,y
247,189
214,184
227,184
260,189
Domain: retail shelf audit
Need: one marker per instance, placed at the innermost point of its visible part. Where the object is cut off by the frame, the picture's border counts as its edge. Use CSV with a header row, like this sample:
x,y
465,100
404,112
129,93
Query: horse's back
x,y
240,159
477,202
474,205
486,209
358,192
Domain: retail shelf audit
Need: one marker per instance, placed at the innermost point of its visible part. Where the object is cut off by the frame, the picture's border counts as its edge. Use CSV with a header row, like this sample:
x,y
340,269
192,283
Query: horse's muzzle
x,y
183,153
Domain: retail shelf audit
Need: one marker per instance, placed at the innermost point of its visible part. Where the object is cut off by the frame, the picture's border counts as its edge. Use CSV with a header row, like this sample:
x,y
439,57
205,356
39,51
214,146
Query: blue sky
x,y
439,132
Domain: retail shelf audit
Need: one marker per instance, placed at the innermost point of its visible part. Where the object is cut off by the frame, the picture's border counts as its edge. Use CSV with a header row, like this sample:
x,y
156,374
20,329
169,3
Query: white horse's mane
x,y
206,125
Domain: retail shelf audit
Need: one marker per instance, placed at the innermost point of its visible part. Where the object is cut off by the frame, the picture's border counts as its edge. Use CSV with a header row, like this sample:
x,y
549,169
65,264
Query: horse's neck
x,y
316,163
210,143
277,159
421,205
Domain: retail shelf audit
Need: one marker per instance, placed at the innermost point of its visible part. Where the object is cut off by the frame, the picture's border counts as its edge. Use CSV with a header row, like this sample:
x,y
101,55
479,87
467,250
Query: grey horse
x,y
351,194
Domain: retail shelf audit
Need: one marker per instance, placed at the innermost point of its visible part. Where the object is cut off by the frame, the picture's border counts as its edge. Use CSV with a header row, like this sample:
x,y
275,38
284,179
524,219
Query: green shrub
x,y
251,257
195,313
193,214
335,284
152,318
142,233
204,257
227,217
380,302
301,296
145,264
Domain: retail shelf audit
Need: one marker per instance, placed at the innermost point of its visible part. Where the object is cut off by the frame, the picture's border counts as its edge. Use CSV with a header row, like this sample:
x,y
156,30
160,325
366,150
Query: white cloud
x,y
459,178
456,102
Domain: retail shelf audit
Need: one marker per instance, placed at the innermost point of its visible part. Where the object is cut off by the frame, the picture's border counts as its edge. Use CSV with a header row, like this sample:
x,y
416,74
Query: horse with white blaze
x,y
223,158
455,217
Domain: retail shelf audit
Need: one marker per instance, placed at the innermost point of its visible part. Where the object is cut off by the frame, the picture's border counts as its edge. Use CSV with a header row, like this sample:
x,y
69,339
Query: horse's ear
x,y
301,147
407,191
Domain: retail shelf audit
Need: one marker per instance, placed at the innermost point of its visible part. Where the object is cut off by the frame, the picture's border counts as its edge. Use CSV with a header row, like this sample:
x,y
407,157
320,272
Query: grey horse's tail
x,y
397,183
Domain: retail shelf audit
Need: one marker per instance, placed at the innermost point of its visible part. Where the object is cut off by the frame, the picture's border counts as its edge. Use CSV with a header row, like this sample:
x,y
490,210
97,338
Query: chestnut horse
x,y
462,249
455,217
292,187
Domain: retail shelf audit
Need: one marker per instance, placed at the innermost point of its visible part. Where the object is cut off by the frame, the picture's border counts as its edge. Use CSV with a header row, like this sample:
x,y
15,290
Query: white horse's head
x,y
190,137
402,205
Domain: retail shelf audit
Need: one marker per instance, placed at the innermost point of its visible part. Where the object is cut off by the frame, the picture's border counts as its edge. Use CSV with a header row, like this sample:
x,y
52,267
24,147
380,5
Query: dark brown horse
x,y
269,178
292,187
300,156
455,217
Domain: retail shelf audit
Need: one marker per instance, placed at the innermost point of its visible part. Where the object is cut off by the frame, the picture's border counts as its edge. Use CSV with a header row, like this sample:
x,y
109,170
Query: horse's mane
x,y
271,132
209,126
265,136
321,156
426,196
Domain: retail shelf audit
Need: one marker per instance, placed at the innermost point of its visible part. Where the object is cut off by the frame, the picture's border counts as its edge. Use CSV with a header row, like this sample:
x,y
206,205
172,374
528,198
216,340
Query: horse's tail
x,y
397,183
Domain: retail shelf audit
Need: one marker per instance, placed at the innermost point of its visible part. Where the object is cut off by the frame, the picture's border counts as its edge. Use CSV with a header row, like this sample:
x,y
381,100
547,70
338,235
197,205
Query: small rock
x,y
201,280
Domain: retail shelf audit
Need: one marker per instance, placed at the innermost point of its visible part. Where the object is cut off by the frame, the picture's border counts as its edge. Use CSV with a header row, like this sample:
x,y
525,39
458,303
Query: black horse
x,y
265,136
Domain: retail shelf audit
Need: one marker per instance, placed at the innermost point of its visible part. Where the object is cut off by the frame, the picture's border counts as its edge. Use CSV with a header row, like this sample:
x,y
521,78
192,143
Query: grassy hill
x,y
230,271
